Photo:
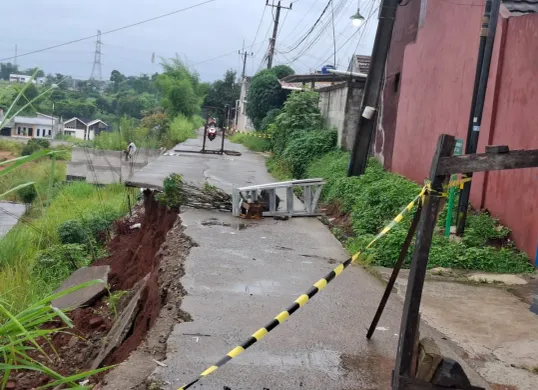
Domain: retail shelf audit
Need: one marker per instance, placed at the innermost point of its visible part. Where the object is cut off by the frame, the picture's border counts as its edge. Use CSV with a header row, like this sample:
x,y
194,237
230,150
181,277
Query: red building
x,y
430,74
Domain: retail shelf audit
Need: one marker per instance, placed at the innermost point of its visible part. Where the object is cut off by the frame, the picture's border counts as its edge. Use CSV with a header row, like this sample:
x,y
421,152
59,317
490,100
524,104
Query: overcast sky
x,y
196,35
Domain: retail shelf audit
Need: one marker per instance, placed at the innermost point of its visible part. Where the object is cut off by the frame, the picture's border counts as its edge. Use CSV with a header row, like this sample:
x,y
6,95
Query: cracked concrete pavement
x,y
243,273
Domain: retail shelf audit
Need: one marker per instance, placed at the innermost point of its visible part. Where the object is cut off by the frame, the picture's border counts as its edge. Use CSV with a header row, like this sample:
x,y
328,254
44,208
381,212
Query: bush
x,y
35,145
300,113
376,197
55,264
269,119
306,147
73,232
171,195
181,129
27,194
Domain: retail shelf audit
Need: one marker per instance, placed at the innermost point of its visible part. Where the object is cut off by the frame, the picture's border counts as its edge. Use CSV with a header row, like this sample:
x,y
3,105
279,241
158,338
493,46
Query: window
x,y
24,131
50,133
19,131
397,77
38,132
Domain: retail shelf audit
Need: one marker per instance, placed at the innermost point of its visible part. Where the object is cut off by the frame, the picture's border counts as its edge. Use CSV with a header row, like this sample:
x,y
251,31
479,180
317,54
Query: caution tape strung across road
x,y
304,298
254,134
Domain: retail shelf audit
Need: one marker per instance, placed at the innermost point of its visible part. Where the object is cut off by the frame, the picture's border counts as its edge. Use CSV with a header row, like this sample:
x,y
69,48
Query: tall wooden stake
x,y
410,318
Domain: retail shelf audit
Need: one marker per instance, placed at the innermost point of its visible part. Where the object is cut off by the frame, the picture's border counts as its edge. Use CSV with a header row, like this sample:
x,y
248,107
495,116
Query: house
x,y
28,127
22,78
242,121
19,78
428,91
359,64
83,128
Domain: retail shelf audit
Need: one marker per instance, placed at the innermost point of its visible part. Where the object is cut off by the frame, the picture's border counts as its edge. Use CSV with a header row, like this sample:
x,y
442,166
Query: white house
x,y
22,78
26,127
83,129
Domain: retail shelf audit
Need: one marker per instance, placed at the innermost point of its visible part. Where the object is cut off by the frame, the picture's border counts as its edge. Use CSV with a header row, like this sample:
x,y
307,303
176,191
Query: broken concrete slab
x,y
429,358
85,295
122,325
508,279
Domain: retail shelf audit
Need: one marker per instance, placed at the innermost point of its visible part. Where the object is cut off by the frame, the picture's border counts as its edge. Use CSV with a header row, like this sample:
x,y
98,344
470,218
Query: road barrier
x,y
304,298
254,134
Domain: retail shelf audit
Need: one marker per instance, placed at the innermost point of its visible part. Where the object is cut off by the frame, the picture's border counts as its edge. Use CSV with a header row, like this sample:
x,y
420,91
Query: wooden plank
x,y
395,272
410,318
488,162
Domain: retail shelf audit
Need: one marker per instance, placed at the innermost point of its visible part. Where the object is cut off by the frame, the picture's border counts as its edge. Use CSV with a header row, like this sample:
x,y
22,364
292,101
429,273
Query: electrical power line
x,y
110,31
305,37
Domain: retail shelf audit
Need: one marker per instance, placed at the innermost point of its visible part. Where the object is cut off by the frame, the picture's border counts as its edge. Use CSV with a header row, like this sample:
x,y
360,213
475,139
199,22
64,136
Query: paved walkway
x,y
242,275
9,215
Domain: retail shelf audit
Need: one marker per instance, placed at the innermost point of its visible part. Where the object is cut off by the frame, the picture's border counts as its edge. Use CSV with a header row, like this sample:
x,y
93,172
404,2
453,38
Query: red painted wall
x,y
404,32
513,195
435,98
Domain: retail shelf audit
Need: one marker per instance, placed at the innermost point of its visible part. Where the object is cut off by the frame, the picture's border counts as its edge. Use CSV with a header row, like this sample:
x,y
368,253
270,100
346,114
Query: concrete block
x,y
429,358
85,295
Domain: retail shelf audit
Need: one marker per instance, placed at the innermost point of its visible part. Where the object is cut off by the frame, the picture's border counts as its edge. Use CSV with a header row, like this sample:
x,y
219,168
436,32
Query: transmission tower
x,y
96,69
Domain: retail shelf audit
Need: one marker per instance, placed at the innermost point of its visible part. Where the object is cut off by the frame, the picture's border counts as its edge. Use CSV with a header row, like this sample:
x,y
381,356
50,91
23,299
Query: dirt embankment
x,y
157,249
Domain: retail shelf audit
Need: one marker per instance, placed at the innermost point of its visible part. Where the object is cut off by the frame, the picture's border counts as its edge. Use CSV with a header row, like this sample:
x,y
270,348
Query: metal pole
x,y
205,135
372,89
487,35
224,128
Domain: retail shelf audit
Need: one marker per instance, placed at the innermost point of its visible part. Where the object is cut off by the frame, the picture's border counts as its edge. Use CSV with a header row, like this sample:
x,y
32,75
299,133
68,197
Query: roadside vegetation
x,y
302,147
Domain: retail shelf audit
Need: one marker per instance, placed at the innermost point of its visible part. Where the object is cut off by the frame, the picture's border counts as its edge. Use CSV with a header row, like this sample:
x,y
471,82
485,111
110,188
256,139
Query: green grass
x,y
19,249
373,199
11,146
181,129
253,143
38,171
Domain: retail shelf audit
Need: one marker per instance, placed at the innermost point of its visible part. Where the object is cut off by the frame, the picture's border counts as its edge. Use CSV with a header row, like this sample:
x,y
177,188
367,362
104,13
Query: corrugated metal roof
x,y
32,121
521,7
363,63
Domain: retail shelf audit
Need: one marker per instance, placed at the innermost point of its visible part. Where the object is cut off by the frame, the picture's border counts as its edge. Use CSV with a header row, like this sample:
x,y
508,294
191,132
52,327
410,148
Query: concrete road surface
x,y
9,216
243,273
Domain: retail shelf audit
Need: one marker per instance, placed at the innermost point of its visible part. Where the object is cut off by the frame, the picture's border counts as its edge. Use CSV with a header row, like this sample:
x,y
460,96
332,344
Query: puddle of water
x,y
326,361
372,369
256,288
234,225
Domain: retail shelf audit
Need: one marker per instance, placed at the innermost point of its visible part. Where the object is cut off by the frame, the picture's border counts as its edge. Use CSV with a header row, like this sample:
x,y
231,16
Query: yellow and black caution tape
x,y
255,134
303,299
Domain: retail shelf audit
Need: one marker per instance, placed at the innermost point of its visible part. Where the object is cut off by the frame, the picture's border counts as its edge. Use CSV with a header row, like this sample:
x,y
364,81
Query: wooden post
x,y
410,318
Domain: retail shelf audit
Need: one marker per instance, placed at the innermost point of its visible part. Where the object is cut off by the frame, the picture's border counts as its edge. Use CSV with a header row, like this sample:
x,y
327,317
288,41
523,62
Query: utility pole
x,y
96,69
15,60
485,50
372,89
245,55
272,41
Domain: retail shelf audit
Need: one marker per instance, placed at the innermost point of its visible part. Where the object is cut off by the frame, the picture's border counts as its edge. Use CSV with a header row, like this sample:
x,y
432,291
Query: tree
x,y
222,92
31,92
7,69
180,88
266,94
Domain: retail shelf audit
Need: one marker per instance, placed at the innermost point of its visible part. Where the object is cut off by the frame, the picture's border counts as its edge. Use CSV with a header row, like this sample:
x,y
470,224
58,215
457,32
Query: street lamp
x,y
357,19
